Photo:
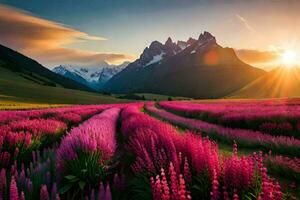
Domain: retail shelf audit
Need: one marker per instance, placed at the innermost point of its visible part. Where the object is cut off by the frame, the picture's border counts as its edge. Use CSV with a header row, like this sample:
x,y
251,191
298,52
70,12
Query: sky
x,y
88,32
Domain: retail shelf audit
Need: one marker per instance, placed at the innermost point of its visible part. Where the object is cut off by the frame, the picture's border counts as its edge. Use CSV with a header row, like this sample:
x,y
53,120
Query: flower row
x,y
84,155
184,165
279,144
283,118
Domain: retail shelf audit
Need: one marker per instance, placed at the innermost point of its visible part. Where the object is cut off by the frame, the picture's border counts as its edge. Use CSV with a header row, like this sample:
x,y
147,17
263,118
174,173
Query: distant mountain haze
x,y
92,76
198,68
31,69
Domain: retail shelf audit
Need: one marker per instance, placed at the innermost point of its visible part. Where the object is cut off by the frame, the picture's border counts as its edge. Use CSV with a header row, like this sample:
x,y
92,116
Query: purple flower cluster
x,y
94,135
22,182
158,146
244,113
21,130
247,136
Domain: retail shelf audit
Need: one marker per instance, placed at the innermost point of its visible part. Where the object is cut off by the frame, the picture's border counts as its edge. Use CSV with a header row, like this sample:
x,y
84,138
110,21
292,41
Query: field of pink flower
x,y
140,151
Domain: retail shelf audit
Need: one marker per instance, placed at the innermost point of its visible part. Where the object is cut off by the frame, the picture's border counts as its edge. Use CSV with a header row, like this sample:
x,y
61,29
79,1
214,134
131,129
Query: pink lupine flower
x,y
158,189
104,193
186,170
215,184
13,190
277,192
2,183
22,196
22,177
44,195
235,149
29,186
173,181
238,172
235,196
16,152
160,186
95,135
108,193
27,140
225,194
182,192
165,187
101,192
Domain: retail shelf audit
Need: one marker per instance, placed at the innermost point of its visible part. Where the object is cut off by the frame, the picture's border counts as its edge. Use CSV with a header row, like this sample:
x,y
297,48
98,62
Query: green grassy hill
x,y
17,90
34,71
278,83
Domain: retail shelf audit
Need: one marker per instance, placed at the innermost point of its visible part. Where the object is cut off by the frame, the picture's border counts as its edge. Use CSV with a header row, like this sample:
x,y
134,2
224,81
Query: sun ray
x,y
289,58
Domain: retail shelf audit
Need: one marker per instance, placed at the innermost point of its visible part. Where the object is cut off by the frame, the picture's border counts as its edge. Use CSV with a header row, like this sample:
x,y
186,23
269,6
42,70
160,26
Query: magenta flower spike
x,y
13,190
22,196
44,195
2,183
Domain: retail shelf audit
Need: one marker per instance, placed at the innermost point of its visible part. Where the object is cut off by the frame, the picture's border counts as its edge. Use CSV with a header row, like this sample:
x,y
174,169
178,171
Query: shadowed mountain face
x,y
278,83
195,68
32,70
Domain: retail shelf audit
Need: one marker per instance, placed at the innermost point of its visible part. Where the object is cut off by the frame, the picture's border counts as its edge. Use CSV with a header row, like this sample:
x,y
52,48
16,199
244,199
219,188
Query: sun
x,y
289,58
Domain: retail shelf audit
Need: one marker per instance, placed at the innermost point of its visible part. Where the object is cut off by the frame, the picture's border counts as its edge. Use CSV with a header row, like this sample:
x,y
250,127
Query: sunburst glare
x,y
289,58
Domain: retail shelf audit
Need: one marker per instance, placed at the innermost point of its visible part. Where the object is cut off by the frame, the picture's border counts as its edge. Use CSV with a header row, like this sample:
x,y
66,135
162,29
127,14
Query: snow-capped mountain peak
x,y
157,51
93,76
156,59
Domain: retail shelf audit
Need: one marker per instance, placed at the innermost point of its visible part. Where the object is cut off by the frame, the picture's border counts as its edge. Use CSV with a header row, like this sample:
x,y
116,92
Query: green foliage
x,y
139,188
83,173
279,170
201,186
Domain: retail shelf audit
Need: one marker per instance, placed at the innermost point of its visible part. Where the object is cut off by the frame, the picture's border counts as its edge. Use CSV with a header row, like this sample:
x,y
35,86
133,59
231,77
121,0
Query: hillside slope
x,y
31,69
196,68
15,89
278,83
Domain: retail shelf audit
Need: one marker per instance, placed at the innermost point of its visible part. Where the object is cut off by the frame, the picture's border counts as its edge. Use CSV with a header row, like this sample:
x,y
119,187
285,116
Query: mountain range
x,y
197,68
92,76
34,71
23,80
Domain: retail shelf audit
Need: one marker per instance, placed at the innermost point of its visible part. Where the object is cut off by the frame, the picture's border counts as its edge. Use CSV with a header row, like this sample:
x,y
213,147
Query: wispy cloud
x,y
45,40
245,23
257,57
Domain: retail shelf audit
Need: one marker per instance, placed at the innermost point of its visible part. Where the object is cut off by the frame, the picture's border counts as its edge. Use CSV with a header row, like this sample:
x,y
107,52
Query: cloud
x,y
257,57
86,58
245,23
45,40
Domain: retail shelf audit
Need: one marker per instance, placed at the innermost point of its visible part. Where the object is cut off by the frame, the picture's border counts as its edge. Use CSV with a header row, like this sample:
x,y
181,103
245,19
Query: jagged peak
x,y
191,41
206,37
155,44
169,41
